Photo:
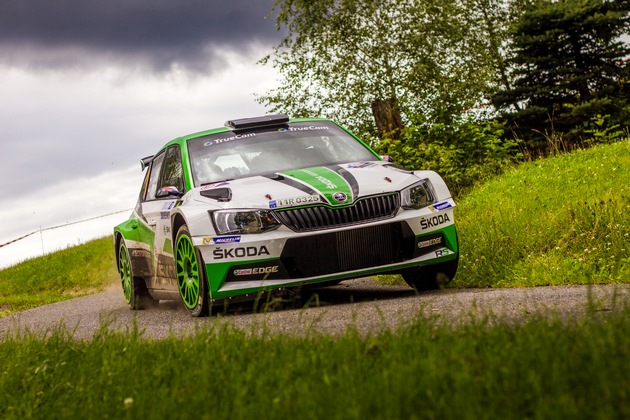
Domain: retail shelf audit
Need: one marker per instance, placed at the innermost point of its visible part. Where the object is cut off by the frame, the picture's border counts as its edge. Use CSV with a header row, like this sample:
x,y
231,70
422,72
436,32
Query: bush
x,y
463,153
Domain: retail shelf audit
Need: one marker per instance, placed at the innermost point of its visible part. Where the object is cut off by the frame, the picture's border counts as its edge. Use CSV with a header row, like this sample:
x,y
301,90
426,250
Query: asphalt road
x,y
361,304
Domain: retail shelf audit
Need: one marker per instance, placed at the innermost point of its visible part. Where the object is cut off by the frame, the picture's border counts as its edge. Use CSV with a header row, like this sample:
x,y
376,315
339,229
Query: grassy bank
x,y
542,368
560,220
55,277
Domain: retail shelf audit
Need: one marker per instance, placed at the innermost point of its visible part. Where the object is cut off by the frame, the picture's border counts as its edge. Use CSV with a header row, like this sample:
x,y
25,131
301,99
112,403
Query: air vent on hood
x,y
219,194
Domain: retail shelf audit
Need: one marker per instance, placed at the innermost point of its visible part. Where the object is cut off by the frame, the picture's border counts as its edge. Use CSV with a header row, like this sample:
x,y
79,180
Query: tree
x,y
376,65
567,57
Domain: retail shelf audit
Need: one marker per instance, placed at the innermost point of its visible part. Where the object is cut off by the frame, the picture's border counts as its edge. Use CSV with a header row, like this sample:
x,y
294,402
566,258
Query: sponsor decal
x,y
226,239
168,205
434,221
440,206
256,270
140,253
309,128
165,267
240,252
327,182
214,185
430,242
227,139
296,201
263,270
426,244
165,215
359,165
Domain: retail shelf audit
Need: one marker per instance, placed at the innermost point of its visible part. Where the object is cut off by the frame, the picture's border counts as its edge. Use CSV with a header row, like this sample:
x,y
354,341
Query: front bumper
x,y
252,263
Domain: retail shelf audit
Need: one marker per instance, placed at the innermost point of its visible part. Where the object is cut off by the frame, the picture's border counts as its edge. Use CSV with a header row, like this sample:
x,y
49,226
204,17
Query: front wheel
x,y
191,280
432,277
134,288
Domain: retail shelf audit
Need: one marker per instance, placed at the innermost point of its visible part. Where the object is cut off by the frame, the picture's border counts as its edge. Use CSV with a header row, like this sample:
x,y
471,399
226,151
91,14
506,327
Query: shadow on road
x,y
317,296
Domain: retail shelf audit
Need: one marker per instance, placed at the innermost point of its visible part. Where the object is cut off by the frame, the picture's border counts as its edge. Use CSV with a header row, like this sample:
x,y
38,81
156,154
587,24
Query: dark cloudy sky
x,y
88,87
155,33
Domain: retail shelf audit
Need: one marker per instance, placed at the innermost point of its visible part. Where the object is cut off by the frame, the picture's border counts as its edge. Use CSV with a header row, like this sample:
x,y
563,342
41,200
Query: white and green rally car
x,y
267,203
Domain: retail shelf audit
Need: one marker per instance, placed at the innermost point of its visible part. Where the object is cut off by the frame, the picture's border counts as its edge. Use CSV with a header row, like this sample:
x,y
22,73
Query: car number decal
x,y
295,201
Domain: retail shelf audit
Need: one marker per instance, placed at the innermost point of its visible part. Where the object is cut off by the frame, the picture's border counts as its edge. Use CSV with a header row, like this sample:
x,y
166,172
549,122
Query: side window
x,y
172,176
156,168
145,184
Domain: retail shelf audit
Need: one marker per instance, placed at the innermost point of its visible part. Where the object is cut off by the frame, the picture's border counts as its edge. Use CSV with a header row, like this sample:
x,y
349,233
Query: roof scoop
x,y
257,122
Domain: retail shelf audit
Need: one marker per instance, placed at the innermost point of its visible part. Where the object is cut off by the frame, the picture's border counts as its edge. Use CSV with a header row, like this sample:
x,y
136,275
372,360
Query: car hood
x,y
336,185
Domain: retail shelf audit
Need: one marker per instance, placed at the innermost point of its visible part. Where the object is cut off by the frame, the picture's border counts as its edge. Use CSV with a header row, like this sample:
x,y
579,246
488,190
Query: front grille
x,y
354,249
365,210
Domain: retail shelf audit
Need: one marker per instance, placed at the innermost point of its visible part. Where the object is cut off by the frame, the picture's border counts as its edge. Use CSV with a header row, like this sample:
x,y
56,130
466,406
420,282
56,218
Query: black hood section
x,y
350,179
292,183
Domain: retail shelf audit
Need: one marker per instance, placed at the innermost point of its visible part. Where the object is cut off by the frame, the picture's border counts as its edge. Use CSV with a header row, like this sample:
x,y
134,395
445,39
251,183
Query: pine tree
x,y
569,68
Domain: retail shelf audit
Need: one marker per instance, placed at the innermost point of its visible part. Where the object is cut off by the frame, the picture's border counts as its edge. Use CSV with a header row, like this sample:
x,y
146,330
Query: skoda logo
x,y
340,197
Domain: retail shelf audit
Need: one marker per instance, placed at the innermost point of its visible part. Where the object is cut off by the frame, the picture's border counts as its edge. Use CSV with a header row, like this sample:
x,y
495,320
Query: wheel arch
x,y
177,222
117,238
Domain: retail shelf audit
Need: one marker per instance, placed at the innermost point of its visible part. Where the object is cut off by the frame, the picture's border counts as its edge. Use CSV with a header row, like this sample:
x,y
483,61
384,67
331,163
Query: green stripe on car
x,y
327,182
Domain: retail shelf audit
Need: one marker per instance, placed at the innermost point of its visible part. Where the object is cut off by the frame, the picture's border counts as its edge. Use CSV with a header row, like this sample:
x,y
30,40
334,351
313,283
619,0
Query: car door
x,y
166,171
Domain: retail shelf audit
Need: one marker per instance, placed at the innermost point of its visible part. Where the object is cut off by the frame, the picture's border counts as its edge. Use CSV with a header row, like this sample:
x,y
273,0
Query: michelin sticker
x,y
222,240
440,206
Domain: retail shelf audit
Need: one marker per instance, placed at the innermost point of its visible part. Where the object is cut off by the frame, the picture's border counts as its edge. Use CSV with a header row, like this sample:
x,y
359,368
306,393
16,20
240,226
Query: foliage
x,y
463,153
568,69
340,57
484,368
65,274
603,129
554,221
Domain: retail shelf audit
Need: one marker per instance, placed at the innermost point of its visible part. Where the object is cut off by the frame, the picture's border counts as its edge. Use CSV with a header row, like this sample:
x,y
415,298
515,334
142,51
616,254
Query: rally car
x,y
271,203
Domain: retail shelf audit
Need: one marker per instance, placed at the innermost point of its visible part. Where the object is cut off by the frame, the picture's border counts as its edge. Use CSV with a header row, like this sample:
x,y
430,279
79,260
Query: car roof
x,y
183,139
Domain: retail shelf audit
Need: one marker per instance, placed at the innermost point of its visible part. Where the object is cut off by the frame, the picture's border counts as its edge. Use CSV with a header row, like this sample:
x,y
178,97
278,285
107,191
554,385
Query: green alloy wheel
x,y
190,275
134,288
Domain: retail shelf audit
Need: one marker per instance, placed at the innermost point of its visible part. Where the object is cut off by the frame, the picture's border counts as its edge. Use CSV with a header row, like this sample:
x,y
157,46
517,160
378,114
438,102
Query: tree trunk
x,y
387,118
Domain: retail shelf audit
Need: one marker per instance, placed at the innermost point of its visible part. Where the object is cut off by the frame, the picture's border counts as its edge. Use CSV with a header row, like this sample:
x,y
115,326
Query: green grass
x,y
69,273
560,220
488,368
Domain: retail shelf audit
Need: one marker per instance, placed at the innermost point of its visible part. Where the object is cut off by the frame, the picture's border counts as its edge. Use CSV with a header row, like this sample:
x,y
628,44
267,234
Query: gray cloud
x,y
157,33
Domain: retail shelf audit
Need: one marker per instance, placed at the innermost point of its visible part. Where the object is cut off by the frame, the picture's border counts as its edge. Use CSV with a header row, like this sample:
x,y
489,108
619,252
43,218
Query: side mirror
x,y
387,158
168,192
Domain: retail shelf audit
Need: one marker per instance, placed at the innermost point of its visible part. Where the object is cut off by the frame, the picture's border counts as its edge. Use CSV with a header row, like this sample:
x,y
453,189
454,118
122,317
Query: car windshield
x,y
230,155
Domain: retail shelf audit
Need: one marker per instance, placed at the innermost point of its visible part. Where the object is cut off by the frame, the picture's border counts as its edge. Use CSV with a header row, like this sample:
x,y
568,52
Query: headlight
x,y
417,196
228,222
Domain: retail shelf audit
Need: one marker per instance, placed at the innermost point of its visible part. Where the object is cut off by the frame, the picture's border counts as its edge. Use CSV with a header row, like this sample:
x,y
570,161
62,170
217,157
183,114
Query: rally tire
x,y
431,277
134,288
191,279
